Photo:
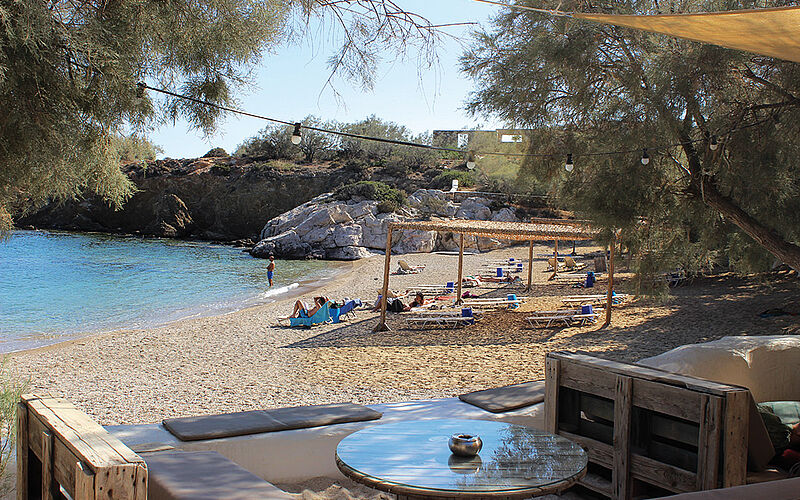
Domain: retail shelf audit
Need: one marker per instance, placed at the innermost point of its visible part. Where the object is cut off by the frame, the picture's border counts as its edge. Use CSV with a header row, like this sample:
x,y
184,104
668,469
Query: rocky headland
x,y
327,228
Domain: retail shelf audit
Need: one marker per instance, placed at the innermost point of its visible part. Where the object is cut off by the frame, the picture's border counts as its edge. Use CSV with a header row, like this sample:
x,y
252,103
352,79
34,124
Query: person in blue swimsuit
x,y
271,269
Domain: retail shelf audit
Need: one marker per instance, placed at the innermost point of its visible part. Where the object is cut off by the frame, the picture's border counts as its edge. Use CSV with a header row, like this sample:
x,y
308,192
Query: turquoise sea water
x,y
56,285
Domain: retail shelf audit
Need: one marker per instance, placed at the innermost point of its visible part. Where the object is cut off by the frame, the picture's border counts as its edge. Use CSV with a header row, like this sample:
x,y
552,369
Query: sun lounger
x,y
323,315
404,268
445,318
494,303
347,311
548,318
576,300
571,265
551,264
566,317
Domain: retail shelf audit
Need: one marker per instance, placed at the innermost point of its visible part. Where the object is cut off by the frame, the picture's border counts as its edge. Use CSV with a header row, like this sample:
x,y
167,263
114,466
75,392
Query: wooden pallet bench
x,y
648,432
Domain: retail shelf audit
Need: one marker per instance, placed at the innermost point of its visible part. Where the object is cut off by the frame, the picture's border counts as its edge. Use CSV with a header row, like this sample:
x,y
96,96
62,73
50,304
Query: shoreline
x,y
304,287
241,361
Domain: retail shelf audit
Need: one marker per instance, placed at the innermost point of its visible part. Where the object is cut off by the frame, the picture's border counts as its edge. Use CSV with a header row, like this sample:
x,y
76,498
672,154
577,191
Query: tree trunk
x,y
766,237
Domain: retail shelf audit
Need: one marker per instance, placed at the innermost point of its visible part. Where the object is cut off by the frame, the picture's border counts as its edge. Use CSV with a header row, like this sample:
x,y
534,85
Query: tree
x,y
314,143
69,69
594,88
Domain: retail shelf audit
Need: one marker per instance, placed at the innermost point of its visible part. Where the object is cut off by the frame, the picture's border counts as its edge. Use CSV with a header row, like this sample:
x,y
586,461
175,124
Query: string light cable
x,y
472,154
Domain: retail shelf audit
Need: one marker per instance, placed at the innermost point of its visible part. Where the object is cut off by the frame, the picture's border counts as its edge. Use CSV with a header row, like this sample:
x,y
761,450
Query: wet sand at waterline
x,y
243,361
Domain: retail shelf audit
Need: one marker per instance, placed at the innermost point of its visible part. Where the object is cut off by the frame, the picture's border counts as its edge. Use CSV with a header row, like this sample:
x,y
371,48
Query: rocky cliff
x,y
207,198
222,198
326,228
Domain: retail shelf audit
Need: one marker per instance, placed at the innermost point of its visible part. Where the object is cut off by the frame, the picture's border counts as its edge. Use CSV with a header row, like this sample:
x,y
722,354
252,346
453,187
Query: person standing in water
x,y
271,269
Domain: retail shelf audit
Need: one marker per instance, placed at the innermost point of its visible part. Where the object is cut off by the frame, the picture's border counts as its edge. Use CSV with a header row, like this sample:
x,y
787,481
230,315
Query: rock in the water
x,y
287,245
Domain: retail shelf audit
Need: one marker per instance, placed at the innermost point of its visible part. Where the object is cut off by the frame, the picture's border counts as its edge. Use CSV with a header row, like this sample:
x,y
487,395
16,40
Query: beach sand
x,y
242,361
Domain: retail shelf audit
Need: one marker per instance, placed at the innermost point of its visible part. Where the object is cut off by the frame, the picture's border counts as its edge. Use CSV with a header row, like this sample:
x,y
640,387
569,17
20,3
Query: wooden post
x,y
530,266
555,258
47,466
460,267
552,371
22,451
84,482
734,439
621,471
609,296
381,327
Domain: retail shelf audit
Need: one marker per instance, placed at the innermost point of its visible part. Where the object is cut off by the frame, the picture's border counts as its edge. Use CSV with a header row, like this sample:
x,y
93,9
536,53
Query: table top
x,y
412,458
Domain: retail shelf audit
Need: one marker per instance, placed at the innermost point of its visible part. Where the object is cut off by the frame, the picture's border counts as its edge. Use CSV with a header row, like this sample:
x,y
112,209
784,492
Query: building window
x,y
510,138
463,140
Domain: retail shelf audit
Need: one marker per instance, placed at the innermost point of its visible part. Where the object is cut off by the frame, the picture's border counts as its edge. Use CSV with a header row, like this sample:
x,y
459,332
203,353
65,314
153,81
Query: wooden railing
x,y
60,447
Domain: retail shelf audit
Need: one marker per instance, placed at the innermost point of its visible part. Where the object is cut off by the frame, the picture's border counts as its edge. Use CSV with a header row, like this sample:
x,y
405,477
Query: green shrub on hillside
x,y
216,153
390,198
445,179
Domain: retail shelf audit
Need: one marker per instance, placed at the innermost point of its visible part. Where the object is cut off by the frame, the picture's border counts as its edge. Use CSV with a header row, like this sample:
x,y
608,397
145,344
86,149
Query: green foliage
x,y
390,198
133,147
216,153
445,179
68,74
588,87
271,143
11,388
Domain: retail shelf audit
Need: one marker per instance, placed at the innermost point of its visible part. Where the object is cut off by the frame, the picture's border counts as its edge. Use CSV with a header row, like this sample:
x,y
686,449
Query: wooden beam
x,y
530,266
460,268
22,451
381,327
610,293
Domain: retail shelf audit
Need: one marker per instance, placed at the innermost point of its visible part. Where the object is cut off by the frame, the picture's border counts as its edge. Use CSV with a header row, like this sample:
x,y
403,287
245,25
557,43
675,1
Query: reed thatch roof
x,y
540,229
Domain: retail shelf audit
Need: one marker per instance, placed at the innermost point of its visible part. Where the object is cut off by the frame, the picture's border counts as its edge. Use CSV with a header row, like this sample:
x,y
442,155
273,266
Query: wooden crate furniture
x,y
59,446
648,432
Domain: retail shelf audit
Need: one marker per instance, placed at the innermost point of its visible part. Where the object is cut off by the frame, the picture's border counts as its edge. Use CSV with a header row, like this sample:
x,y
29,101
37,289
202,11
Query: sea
x,y
56,286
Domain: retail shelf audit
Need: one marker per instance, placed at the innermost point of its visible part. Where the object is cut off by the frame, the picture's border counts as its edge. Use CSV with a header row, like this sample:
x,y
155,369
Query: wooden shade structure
x,y
536,230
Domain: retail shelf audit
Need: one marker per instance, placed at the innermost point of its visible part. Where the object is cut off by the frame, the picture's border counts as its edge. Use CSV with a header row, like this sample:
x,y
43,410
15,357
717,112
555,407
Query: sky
x,y
290,84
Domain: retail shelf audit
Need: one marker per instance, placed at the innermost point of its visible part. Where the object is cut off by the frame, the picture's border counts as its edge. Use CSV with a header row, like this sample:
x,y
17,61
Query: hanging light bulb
x,y
645,157
569,165
713,145
471,164
296,135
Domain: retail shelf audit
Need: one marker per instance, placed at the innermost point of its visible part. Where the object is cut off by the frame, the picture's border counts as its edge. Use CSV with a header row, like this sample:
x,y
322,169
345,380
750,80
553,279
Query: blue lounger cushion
x,y
508,398
256,421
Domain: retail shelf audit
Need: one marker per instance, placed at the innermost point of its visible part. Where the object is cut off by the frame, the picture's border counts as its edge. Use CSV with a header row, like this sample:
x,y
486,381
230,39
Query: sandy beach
x,y
243,361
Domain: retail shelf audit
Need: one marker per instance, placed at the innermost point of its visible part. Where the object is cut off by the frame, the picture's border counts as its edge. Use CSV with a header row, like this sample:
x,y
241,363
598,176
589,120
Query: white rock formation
x,y
350,230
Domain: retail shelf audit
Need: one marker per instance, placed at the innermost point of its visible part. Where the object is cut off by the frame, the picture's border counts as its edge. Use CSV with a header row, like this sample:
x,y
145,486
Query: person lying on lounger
x,y
419,301
301,311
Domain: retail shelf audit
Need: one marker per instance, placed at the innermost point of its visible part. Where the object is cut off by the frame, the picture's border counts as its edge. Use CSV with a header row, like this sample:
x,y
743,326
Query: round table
x,y
412,459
